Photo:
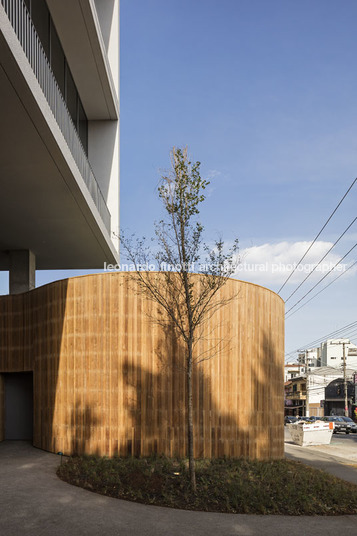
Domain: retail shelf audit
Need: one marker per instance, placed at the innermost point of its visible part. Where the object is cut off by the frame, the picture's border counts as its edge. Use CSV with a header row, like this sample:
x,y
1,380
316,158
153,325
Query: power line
x,y
320,261
331,335
291,355
317,293
320,280
316,237
334,333
351,334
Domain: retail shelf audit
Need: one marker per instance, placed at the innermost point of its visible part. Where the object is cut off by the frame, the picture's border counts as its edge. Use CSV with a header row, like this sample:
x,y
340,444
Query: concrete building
x,y
332,353
335,397
328,354
309,359
295,396
292,370
59,150
316,383
310,393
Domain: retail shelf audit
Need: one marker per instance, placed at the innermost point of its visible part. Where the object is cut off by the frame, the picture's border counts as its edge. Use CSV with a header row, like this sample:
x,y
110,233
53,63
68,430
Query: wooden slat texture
x,y
108,379
2,408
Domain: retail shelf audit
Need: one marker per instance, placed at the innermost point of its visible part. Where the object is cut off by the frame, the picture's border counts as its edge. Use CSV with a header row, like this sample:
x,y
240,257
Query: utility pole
x,y
345,380
307,395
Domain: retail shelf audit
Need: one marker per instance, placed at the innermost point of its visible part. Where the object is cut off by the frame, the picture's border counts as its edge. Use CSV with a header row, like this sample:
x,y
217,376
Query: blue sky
x,y
264,95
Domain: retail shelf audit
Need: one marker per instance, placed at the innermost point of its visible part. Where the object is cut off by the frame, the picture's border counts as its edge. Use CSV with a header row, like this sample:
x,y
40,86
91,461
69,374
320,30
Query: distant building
x,y
335,397
291,370
319,392
328,354
332,353
295,396
317,382
309,359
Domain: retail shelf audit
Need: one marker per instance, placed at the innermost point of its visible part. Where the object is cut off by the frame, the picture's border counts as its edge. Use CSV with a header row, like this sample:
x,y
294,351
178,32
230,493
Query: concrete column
x,y
103,155
22,271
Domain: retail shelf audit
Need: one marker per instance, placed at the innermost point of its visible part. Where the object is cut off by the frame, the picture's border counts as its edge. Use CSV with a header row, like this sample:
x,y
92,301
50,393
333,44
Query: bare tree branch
x,y
187,300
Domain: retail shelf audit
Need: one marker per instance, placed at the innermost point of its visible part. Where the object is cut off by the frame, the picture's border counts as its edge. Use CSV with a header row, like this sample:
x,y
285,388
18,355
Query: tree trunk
x,y
191,458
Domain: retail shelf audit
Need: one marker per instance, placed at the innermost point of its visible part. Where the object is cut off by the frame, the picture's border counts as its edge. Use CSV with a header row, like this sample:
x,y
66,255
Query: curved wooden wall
x,y
109,380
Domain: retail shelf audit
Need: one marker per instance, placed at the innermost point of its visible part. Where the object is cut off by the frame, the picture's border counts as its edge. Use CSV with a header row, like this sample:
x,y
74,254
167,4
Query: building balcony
x,y
21,22
298,395
52,203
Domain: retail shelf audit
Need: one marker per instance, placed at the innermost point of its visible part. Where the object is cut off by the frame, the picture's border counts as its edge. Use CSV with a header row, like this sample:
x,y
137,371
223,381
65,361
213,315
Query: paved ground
x,y
339,458
33,501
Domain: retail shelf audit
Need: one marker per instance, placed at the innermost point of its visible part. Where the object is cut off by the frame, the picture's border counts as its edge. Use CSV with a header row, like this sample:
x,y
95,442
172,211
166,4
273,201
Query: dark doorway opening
x,y
19,405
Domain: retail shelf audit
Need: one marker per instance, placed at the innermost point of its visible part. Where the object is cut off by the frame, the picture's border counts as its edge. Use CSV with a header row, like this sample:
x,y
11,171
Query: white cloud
x,y
213,173
271,264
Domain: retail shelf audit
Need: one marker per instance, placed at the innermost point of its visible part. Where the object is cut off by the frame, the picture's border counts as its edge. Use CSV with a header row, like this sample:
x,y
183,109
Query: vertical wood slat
x,y
2,408
107,378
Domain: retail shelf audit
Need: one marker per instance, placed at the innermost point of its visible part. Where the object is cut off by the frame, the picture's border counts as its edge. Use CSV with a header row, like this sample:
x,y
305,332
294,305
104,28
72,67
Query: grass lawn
x,y
223,485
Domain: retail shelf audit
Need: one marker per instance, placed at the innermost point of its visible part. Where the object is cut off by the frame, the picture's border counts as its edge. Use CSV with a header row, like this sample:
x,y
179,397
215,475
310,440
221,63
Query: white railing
x,y
21,22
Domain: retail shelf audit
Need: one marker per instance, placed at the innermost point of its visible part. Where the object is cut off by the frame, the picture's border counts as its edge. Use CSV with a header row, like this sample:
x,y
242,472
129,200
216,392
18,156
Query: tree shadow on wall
x,y
83,425
268,398
251,426
156,401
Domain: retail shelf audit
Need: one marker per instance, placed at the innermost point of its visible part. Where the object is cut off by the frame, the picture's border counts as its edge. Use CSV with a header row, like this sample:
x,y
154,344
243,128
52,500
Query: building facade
x,y
292,370
108,378
295,396
309,359
334,351
335,397
59,151
320,392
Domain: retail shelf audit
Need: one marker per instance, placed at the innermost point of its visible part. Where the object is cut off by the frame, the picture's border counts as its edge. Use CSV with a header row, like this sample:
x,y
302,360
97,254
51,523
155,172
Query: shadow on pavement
x,y
338,458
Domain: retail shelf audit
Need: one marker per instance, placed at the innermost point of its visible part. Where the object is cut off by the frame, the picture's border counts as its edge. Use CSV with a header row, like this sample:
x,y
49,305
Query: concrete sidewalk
x,y
338,458
339,466
33,501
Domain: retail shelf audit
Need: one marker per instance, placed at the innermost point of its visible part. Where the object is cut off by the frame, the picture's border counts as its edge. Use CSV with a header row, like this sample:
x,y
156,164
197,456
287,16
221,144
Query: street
x,y
338,458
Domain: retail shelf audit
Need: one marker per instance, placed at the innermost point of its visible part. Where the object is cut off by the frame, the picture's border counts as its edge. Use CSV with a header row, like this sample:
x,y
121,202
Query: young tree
x,y
189,272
